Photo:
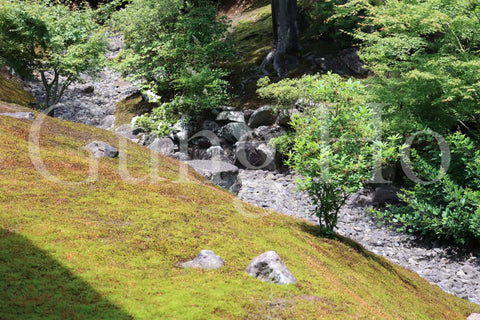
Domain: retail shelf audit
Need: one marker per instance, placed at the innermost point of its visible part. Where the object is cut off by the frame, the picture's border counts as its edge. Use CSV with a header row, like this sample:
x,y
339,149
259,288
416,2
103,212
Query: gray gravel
x,y
453,269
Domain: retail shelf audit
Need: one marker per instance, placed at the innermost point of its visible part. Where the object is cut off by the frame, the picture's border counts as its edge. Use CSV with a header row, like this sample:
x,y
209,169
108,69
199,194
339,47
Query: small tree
x,y
336,147
58,43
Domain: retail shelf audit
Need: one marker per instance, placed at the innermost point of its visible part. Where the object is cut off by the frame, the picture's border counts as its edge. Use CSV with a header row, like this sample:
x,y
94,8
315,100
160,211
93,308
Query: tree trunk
x,y
286,35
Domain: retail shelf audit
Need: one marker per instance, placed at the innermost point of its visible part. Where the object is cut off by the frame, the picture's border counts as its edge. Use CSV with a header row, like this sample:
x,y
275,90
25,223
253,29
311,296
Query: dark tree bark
x,y
286,35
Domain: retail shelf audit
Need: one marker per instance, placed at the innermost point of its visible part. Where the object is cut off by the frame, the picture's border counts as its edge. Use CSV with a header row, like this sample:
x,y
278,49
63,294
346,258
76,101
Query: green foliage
x,y
425,57
106,10
176,51
336,147
332,19
57,42
450,208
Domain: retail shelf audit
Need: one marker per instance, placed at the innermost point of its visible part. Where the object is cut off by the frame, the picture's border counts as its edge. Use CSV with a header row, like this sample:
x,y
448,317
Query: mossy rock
x,y
133,105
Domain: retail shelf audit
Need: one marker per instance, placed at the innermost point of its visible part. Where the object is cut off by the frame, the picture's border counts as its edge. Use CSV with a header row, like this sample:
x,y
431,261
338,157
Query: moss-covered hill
x,y
108,249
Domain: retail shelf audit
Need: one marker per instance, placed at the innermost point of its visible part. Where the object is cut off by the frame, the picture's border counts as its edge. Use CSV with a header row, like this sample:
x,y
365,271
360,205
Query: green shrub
x,y
336,145
176,49
35,37
449,208
425,58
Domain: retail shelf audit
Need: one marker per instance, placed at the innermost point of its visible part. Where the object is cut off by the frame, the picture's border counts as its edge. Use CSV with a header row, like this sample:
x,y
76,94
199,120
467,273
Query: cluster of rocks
x,y
218,148
267,267
456,270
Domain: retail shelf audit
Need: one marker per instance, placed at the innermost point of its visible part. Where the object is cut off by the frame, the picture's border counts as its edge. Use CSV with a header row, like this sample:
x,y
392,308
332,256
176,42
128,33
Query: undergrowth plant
x,y
450,207
176,50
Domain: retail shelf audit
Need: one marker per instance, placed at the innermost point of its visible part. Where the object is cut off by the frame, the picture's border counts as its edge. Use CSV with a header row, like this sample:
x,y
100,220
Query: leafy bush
x,y
450,208
176,49
425,58
336,147
57,42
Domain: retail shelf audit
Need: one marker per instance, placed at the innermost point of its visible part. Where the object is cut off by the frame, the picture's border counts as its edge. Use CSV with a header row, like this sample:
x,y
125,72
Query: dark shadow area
x,y
34,286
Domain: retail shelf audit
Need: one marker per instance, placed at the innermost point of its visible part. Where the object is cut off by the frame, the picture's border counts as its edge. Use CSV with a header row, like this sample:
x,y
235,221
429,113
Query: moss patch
x,y
253,36
11,91
108,248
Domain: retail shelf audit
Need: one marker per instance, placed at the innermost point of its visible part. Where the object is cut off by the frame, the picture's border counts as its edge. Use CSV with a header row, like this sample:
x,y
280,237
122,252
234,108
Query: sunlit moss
x,y
124,239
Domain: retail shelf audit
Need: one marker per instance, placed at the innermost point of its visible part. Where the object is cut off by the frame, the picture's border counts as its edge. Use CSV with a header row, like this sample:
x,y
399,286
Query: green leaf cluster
x,y
424,55
176,49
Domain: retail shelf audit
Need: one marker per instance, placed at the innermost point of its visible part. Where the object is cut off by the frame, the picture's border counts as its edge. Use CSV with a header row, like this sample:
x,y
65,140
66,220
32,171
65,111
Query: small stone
x,y
269,267
19,115
102,149
205,259
88,89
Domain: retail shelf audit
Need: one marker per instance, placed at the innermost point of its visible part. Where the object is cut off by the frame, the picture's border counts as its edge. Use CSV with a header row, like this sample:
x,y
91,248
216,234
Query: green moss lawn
x,y
108,249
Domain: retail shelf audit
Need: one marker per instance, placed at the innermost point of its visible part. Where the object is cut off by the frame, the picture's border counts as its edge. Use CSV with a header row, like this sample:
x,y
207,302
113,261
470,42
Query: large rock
x,y
210,125
474,316
102,149
269,267
221,173
386,195
263,116
232,116
19,115
266,133
126,130
108,122
233,132
255,155
205,259
164,146
216,153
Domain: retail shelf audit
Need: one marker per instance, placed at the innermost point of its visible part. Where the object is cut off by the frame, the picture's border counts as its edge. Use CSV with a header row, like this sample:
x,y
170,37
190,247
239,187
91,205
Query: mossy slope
x,y
11,90
120,242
